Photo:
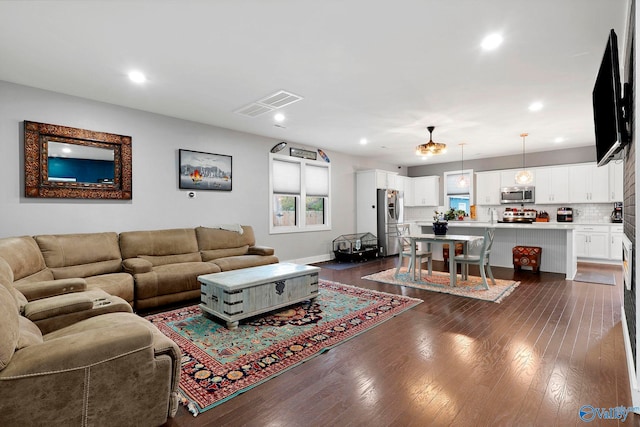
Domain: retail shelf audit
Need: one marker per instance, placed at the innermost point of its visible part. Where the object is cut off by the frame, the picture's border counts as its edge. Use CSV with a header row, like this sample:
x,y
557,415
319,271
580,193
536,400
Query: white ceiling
x,y
373,69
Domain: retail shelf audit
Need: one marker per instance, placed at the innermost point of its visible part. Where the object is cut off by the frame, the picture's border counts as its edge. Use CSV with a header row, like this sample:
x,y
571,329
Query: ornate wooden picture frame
x,y
93,165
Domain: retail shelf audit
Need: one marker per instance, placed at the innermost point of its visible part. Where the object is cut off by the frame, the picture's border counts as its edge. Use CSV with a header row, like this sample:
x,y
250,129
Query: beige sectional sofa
x,y
147,269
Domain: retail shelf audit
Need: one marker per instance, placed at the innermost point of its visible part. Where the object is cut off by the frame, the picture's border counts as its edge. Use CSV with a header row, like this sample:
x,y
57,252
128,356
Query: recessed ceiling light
x,y
536,106
278,117
137,77
492,41
558,140
363,141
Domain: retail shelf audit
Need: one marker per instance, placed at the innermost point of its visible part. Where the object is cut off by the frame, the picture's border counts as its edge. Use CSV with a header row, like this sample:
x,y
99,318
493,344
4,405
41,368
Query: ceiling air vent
x,y
280,99
268,103
254,110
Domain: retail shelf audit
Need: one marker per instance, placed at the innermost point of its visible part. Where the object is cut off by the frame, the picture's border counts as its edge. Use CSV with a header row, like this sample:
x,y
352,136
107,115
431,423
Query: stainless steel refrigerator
x,y
390,214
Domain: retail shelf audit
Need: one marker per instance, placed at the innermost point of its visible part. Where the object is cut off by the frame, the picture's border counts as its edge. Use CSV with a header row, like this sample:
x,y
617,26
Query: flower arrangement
x,y
439,217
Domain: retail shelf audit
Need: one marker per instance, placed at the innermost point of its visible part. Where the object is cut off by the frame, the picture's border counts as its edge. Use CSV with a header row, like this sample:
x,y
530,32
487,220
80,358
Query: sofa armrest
x,y
79,351
59,305
50,288
260,250
137,265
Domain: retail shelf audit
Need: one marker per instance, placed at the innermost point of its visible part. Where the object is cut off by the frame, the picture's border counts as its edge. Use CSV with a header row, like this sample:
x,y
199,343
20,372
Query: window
x,y
459,196
299,199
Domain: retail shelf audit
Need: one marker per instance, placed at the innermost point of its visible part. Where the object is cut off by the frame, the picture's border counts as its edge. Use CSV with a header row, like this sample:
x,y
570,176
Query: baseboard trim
x,y
633,377
311,260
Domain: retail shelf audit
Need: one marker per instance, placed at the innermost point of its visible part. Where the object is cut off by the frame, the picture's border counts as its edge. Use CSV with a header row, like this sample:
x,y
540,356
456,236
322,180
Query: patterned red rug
x,y
218,364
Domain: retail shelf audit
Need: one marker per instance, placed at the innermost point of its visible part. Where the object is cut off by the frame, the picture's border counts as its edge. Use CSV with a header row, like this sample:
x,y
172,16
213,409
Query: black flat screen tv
x,y
608,114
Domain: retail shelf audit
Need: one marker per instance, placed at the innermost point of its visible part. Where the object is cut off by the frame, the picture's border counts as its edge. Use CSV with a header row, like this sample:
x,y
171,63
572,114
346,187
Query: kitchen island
x,y
557,241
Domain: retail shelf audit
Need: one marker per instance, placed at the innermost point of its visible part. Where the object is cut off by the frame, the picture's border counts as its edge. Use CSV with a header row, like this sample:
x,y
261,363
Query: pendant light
x,y
523,176
462,181
431,148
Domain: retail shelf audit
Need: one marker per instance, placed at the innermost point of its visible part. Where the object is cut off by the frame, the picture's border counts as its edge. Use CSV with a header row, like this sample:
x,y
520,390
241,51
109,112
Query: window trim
x,y
301,207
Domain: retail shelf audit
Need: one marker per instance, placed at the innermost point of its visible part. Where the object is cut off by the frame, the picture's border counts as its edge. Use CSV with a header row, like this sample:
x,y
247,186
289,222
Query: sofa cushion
x,y
158,242
6,280
222,253
214,238
244,261
9,331
24,257
80,255
29,333
117,284
171,259
172,278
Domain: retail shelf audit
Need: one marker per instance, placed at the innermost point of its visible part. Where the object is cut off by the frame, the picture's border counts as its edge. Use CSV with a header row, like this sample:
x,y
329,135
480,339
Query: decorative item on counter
x,y
543,216
440,224
472,212
454,214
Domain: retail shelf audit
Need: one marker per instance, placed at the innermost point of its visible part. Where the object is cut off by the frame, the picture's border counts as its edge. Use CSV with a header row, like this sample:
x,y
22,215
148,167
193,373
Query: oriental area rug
x,y
218,364
439,282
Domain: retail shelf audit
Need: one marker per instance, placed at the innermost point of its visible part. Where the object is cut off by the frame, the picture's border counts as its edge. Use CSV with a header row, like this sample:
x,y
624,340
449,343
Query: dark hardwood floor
x,y
533,360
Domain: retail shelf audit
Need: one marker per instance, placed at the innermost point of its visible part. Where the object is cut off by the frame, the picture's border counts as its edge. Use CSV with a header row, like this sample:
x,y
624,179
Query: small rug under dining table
x,y
439,282
218,364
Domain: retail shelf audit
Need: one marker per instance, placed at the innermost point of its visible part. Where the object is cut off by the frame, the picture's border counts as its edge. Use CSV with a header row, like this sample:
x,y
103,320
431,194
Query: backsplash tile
x,y
589,213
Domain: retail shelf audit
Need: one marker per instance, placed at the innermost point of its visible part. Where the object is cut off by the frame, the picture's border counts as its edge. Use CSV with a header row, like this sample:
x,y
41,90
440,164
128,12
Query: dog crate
x,y
355,247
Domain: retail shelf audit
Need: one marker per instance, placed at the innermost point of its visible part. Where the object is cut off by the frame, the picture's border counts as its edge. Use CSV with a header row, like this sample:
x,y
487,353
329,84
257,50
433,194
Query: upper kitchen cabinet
x,y
588,184
508,177
488,188
407,188
552,185
386,180
426,191
616,181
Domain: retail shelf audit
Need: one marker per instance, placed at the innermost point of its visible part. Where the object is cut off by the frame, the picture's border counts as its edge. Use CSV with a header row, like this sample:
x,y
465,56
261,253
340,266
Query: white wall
x,y
157,202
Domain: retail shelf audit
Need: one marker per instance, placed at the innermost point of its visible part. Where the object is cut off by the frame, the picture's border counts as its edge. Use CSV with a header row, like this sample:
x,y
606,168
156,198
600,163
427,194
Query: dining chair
x,y
481,259
404,245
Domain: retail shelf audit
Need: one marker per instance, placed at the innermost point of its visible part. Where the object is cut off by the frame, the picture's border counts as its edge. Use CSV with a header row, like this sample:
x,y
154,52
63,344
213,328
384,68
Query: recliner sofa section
x,y
165,265
113,369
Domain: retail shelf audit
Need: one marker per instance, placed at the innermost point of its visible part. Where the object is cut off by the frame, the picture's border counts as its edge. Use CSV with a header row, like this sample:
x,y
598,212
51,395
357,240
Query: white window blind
x,y
452,184
286,177
317,181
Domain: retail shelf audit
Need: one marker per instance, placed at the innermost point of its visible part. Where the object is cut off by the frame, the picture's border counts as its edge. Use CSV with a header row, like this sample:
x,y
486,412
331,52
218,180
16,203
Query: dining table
x,y
451,239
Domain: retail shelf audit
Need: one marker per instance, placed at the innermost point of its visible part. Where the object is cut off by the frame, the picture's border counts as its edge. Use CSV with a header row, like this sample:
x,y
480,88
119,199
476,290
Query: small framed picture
x,y
204,171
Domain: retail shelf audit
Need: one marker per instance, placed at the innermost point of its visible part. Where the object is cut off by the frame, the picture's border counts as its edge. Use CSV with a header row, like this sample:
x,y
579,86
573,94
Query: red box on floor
x,y
527,256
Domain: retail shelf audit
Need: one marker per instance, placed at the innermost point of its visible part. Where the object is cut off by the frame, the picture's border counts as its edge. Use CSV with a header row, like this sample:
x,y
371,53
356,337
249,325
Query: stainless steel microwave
x,y
517,195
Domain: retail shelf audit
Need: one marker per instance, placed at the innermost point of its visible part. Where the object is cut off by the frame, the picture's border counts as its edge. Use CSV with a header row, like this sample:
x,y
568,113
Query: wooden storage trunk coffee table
x,y
239,294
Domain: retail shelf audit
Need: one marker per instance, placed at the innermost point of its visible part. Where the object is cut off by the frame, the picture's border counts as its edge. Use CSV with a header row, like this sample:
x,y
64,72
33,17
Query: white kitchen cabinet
x,y
426,191
386,180
588,183
508,177
488,188
409,198
552,185
616,237
592,241
616,181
